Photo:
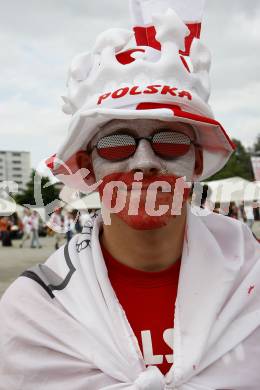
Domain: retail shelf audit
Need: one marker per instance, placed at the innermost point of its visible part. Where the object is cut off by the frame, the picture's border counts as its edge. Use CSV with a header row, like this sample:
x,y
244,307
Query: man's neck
x,y
146,250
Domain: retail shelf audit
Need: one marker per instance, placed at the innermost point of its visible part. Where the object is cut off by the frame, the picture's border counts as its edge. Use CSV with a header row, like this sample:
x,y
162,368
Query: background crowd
x,y
62,225
28,228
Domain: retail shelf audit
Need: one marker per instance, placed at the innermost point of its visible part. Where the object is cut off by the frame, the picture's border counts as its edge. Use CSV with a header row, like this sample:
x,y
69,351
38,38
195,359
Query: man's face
x,y
146,162
144,158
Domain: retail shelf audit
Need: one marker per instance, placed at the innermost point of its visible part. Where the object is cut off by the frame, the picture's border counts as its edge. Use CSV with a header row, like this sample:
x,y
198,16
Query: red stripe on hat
x,y
146,36
125,57
50,162
185,63
152,106
195,30
184,114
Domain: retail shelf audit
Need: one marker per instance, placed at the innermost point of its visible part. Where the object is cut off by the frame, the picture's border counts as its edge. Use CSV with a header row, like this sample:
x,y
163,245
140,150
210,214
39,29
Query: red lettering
x,y
152,89
103,97
185,94
120,93
134,91
185,63
166,89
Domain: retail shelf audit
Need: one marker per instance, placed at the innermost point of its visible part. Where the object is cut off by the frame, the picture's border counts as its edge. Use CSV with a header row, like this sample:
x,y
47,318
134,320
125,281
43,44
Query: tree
x,y
239,164
49,192
256,147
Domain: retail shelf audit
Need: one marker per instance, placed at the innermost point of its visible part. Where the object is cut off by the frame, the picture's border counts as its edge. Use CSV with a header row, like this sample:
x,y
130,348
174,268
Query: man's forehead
x,y
142,127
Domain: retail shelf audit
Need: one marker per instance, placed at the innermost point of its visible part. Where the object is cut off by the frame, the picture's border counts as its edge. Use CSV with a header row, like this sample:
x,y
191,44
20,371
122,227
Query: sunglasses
x,y
166,144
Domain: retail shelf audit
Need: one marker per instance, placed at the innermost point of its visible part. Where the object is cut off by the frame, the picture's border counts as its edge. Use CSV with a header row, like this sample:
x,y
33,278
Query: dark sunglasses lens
x,y
171,144
116,147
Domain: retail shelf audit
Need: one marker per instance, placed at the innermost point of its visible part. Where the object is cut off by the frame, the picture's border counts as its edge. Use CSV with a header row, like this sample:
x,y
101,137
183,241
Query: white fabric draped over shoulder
x,y
62,326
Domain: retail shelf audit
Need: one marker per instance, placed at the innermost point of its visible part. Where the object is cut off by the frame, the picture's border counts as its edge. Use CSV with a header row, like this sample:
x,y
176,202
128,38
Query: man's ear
x,y
84,160
198,161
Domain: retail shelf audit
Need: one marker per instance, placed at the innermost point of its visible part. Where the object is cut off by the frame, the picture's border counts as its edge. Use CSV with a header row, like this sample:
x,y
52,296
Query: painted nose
x,y
145,160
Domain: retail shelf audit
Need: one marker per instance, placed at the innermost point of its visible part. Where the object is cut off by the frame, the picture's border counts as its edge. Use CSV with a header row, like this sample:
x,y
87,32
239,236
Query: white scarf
x,y
80,338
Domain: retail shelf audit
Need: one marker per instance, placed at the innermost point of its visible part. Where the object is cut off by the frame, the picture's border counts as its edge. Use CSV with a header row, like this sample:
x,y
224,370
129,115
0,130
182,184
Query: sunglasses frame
x,y
137,140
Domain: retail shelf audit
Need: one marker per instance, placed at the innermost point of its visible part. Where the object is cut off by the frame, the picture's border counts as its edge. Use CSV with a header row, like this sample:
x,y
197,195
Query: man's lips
x,y
143,188
129,182
137,198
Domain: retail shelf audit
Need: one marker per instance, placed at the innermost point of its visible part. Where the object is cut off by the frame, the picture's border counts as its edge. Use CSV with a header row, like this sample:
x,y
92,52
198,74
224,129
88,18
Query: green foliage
x,y
49,192
256,146
239,164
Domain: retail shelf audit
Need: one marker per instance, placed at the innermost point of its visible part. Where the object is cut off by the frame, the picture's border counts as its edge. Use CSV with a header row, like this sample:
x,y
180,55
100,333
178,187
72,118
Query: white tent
x,y
91,201
8,207
234,189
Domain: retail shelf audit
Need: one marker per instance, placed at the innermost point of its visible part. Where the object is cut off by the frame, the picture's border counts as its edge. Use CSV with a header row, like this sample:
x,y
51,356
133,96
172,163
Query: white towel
x,y
66,329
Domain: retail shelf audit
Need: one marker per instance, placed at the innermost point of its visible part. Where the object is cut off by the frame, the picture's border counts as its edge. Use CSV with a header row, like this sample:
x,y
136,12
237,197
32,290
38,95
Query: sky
x,y
38,40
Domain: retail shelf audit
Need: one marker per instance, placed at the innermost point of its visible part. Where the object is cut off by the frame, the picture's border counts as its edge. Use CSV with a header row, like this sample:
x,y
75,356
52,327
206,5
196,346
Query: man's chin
x,y
144,221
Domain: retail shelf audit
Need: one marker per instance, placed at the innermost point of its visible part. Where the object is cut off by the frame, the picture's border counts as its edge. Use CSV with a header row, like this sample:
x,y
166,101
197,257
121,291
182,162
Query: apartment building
x,y
15,166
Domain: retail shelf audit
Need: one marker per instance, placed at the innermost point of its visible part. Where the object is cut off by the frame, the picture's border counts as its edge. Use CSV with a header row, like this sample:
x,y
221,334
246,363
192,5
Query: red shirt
x,y
148,299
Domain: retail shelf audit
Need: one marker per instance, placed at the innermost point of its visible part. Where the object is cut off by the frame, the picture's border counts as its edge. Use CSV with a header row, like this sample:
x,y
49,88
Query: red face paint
x,y
142,204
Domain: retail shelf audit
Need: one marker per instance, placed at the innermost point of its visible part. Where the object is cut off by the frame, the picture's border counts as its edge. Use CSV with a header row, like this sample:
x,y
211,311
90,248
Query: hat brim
x,y
211,136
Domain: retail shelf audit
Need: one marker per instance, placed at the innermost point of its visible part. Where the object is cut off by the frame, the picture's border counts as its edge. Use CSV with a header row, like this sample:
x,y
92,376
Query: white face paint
x,y
144,159
139,209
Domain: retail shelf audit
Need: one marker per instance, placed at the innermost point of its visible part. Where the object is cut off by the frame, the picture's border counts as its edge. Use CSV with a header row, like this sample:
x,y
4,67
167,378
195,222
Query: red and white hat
x,y
159,70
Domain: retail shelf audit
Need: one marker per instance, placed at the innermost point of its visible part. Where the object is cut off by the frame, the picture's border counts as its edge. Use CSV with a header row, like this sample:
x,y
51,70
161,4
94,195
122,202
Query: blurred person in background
x,y
69,226
5,229
27,227
35,242
77,220
242,214
233,210
17,226
15,219
56,224
256,210
249,213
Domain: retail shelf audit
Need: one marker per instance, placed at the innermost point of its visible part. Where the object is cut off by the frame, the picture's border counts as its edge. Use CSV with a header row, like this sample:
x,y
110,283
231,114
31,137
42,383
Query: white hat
x,y
160,70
